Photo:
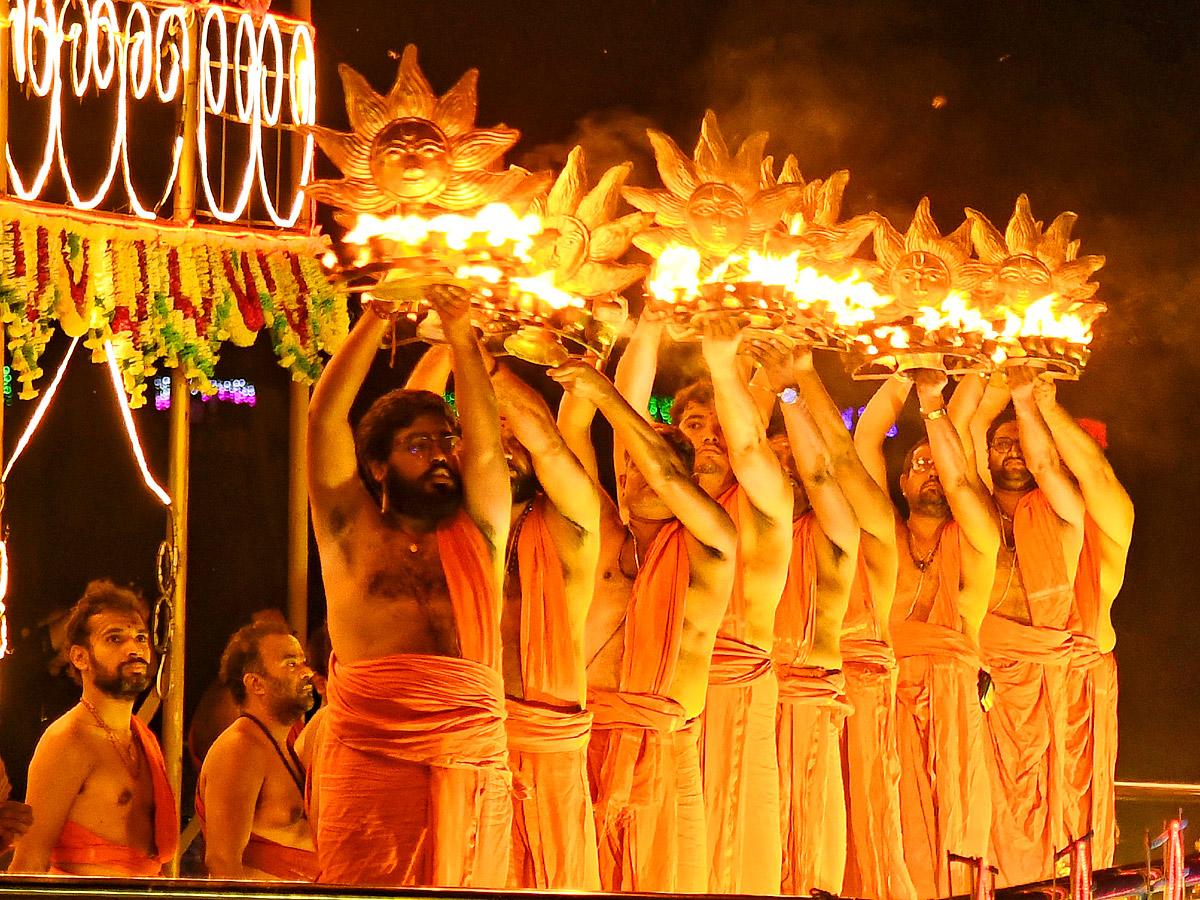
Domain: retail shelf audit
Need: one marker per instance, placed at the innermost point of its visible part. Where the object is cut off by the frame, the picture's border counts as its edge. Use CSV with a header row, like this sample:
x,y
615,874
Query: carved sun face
x,y
410,160
920,279
570,251
717,218
1022,280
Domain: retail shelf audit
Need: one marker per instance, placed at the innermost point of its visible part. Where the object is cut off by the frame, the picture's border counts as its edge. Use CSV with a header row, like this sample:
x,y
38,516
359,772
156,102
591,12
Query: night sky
x,y
1090,107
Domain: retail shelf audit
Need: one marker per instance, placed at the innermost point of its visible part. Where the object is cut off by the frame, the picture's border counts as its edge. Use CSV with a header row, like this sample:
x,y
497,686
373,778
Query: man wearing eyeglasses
x,y
412,518
947,562
1026,637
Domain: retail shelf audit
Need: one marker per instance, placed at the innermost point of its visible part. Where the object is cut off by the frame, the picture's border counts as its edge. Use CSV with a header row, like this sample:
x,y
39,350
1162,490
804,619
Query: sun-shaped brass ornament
x,y
1038,290
582,260
411,152
714,202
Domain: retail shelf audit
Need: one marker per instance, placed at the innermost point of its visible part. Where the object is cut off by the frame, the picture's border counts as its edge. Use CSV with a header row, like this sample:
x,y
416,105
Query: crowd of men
x,y
746,673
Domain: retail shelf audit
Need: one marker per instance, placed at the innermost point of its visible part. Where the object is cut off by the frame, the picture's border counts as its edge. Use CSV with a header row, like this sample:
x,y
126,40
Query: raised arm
x,y
877,420
1106,499
995,398
1041,454
754,463
702,516
969,505
333,480
432,371
487,496
575,418
572,492
234,772
56,776
964,403
635,373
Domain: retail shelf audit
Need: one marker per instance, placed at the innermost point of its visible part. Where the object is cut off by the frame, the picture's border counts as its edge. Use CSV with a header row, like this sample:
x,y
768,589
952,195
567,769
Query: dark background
x,y
1091,107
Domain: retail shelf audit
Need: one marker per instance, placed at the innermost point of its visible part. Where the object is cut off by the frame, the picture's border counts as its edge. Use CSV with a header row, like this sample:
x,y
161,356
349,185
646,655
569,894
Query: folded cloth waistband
x,y
537,728
1085,651
812,686
649,712
80,846
431,710
736,662
858,651
911,639
1003,639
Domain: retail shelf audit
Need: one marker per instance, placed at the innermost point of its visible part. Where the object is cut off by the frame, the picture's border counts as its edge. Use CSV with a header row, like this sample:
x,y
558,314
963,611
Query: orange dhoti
x,y
812,710
413,774
945,793
77,845
875,868
644,771
554,834
1027,727
741,776
265,855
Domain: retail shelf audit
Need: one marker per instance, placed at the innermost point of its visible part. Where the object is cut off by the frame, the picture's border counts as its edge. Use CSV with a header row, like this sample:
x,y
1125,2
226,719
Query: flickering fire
x,y
495,224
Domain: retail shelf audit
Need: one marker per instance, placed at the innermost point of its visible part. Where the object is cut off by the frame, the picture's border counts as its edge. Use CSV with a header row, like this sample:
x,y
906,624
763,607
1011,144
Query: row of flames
x,y
428,201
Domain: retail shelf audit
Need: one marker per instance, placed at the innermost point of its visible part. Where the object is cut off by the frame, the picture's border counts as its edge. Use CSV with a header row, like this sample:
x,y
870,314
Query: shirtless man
x,y
947,563
411,522
1092,675
875,852
549,579
1026,638
649,652
807,649
736,467
97,782
251,789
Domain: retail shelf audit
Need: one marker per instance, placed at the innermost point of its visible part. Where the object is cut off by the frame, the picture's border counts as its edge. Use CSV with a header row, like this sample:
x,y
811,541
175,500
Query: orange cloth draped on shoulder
x,y
1028,723
875,868
637,763
941,741
79,846
809,719
266,855
554,837
1091,738
737,753
413,772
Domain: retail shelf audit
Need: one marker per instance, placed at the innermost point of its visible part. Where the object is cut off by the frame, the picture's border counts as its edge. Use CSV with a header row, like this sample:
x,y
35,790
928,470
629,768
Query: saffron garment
x,y
642,759
271,857
79,846
1091,737
941,741
875,868
809,720
413,771
1027,725
737,752
554,836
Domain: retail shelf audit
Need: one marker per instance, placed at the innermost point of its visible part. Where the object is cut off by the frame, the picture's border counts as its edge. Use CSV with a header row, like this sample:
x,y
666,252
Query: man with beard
x,y
1091,741
551,574
97,782
947,563
1026,638
736,467
649,651
874,850
250,795
411,522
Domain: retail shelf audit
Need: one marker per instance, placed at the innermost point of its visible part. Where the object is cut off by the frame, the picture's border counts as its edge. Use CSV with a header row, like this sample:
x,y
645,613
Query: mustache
x,y
440,469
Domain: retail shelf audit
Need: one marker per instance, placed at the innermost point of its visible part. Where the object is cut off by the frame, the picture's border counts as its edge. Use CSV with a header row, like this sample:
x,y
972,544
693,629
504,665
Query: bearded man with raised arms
x,y
946,565
412,519
97,781
1027,636
649,652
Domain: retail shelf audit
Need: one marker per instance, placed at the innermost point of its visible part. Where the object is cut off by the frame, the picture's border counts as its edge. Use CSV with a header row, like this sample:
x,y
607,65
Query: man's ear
x,y
252,682
78,657
378,470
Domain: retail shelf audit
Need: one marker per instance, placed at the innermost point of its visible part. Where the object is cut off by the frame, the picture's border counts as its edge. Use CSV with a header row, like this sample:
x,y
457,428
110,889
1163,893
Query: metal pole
x,y
297,525
180,444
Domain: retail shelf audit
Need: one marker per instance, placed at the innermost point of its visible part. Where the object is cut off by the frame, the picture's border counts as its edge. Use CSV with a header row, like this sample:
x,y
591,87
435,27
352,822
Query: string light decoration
x,y
130,428
84,46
